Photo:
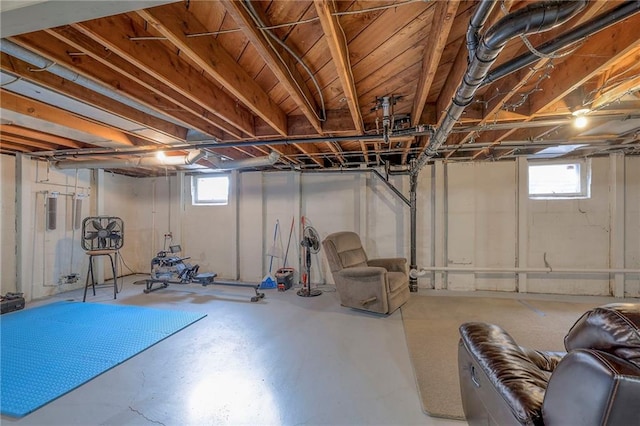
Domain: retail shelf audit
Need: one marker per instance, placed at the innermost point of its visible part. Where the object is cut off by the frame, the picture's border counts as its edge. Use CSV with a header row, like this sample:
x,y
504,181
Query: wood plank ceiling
x,y
316,81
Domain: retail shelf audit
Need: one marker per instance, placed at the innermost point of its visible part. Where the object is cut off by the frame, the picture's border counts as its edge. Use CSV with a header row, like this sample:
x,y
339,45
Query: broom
x,y
269,281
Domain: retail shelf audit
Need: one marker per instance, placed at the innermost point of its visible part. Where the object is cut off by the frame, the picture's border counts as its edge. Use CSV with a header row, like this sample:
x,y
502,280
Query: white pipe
x,y
423,271
178,160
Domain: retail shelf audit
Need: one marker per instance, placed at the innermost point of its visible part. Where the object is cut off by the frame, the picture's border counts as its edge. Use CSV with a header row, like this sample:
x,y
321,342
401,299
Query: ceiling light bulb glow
x,y
580,122
161,155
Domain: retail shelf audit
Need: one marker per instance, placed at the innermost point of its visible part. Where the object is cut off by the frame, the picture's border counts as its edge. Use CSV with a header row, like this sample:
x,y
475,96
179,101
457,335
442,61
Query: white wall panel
x,y
46,256
8,224
572,234
461,235
251,235
479,230
495,223
632,225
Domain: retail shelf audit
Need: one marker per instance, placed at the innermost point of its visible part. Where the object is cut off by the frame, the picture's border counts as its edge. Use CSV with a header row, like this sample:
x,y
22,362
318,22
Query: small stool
x,y
114,267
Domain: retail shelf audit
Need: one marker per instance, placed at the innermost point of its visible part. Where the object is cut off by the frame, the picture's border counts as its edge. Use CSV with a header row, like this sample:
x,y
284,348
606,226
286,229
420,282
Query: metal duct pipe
x,y
591,27
528,20
419,130
269,160
478,20
152,161
17,51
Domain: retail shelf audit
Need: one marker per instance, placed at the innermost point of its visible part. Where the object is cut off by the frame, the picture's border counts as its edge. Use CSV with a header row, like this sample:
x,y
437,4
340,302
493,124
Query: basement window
x,y
559,179
210,190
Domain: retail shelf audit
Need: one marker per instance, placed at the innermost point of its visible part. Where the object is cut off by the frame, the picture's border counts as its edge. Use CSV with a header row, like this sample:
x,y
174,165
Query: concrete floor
x,y
286,360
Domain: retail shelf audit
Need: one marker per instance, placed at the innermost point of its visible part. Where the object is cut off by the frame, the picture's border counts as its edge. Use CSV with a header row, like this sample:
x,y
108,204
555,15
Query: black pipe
x,y
475,25
591,27
413,209
528,20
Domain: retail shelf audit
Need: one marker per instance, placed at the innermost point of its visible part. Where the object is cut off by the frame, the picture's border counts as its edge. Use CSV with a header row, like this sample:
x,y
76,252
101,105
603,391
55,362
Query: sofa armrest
x,y
363,272
391,264
497,375
544,360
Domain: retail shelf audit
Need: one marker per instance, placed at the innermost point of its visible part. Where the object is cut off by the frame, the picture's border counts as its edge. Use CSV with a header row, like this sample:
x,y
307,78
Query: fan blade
x,y
96,224
90,235
102,242
111,225
115,236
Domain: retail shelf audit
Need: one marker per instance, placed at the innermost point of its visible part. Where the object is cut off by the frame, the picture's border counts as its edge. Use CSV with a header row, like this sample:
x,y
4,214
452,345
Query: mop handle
x,y
275,233
286,253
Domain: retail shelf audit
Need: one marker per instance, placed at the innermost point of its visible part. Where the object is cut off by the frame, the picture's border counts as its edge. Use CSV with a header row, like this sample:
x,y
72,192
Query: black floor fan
x,y
311,245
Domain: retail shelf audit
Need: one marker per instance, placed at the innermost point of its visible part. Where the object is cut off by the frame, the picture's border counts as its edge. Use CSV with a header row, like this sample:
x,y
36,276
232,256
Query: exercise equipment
x,y
11,302
169,268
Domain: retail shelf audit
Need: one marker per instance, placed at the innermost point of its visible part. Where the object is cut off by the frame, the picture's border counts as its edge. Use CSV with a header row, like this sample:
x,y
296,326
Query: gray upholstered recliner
x,y
376,285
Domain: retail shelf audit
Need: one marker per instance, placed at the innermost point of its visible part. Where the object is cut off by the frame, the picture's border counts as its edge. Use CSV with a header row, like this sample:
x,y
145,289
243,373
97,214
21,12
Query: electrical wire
x,y
290,24
373,9
249,7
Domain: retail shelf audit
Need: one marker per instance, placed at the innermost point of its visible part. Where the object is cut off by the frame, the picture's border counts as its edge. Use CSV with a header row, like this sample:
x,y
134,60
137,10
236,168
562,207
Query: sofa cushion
x,y
513,375
613,328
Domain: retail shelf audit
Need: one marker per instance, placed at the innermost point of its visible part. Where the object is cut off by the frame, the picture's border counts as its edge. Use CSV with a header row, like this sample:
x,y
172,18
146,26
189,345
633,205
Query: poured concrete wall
x,y
470,216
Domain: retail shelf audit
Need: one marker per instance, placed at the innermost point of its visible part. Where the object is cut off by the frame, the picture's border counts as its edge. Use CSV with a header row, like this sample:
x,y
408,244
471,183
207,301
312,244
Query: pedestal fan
x,y
311,245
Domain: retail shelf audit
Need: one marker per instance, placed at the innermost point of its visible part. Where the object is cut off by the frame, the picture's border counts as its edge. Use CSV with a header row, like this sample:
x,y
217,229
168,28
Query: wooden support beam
x,y
443,17
600,52
520,78
166,66
610,96
335,38
8,147
497,96
85,57
42,111
173,21
82,94
278,60
23,132
28,142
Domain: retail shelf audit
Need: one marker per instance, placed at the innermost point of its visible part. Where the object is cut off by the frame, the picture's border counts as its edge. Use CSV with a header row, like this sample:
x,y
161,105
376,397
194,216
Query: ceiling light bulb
x,y
161,155
580,122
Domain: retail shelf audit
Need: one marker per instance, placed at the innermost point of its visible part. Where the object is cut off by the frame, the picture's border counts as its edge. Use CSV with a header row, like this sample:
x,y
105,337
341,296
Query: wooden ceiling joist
x,y
23,132
278,60
29,142
209,55
335,38
96,63
443,18
35,109
82,94
598,53
115,34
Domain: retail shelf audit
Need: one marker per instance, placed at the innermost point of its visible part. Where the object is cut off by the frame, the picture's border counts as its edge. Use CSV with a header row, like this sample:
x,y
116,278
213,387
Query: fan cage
x,y
102,233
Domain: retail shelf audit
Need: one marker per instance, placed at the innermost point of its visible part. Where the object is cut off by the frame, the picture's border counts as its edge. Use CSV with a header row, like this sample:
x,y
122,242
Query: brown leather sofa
x,y
596,382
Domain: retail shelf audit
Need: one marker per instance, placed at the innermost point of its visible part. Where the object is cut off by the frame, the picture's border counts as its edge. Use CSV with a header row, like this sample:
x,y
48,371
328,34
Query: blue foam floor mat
x,y
50,350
